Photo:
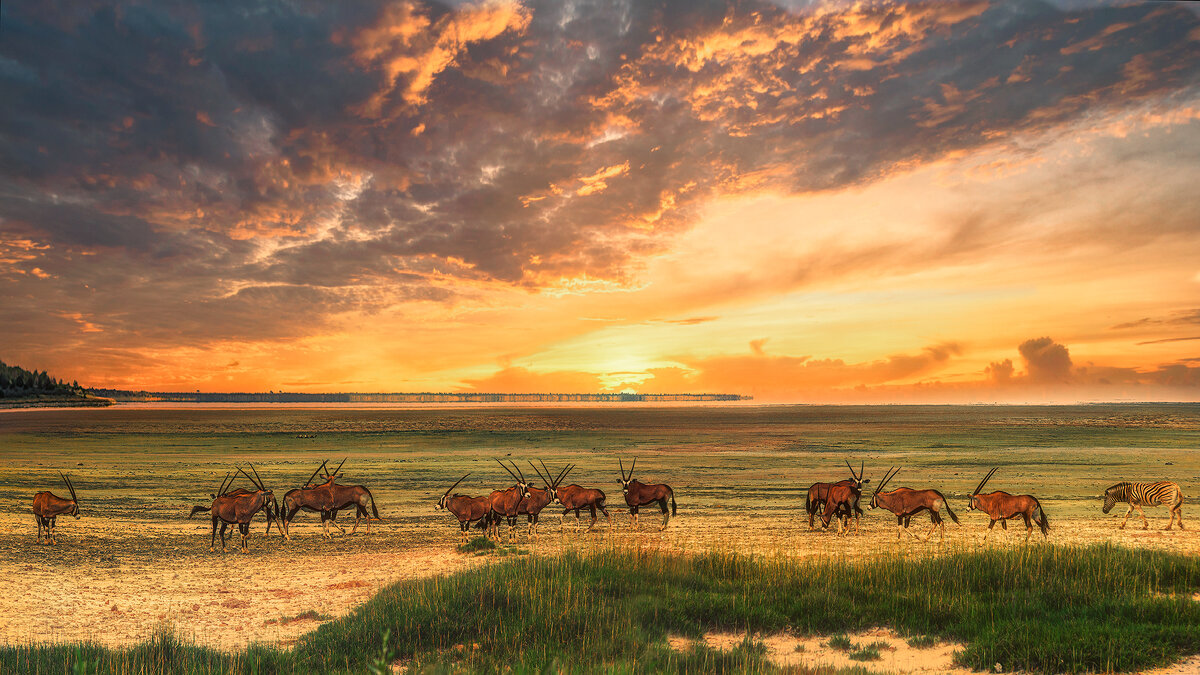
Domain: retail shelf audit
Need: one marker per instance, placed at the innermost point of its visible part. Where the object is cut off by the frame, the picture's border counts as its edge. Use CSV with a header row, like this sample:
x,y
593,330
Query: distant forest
x,y
16,381
282,397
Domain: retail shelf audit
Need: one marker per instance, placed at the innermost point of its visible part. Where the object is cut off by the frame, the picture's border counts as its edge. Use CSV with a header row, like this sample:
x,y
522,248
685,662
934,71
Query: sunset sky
x,y
799,201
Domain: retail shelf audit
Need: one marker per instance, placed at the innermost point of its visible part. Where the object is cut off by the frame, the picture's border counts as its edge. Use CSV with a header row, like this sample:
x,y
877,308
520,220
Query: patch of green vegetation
x,y
477,544
1037,608
840,642
922,641
868,652
307,615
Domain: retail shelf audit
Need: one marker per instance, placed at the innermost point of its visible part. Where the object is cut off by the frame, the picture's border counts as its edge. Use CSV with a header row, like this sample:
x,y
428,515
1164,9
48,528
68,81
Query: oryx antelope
x,y
1000,506
906,503
537,499
841,501
268,510
576,498
467,509
238,510
639,494
47,507
1137,495
345,496
818,494
310,498
505,503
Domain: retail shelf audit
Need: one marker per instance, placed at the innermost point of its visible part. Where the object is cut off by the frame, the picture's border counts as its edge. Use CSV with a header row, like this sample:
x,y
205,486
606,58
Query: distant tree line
x,y
428,397
16,381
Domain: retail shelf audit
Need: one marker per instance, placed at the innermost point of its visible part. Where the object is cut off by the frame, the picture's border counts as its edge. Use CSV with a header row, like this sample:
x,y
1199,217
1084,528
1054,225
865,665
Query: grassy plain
x,y
133,563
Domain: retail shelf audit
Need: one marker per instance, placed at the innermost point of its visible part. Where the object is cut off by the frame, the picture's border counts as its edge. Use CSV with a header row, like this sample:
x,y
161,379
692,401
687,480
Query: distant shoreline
x,y
124,396
53,401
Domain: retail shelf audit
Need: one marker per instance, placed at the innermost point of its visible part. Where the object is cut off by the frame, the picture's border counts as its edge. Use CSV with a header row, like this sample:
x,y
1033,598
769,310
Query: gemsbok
x,y
1137,495
238,510
1000,506
505,503
537,499
47,507
639,494
818,494
310,498
841,500
345,496
906,503
576,498
466,509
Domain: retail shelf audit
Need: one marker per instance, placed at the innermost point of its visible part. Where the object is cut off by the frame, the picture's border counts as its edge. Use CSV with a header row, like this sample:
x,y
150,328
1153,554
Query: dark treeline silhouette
x,y
16,381
284,397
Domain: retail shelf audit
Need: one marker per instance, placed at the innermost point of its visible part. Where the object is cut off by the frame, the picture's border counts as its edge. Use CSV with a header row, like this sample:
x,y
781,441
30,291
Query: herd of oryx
x,y
838,500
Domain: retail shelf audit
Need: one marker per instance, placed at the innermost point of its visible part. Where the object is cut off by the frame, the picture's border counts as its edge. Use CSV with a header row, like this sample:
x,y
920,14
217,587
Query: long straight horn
x,y
564,475
852,474
545,479
250,477
514,476
257,478
622,465
314,475
520,473
984,481
862,467
70,487
221,490
456,484
335,471
547,470
632,467
887,477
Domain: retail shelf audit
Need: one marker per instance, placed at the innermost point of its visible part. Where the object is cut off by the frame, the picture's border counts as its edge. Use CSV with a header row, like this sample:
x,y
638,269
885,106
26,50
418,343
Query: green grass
x,y
477,544
922,641
1038,608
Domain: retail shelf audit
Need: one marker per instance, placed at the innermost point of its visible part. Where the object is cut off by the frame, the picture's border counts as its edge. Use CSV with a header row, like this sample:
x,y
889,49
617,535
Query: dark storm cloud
x,y
189,163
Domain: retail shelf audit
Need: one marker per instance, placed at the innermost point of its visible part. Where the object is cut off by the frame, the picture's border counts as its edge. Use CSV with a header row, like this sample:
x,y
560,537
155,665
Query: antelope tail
x,y
672,502
809,507
374,510
1040,516
948,511
198,509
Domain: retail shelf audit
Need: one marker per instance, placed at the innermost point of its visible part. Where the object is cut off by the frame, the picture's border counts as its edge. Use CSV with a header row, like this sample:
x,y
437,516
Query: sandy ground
x,y
115,582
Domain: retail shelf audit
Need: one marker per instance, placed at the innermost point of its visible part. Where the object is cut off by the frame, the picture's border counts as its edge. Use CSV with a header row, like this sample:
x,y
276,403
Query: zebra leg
x,y
1145,523
1127,514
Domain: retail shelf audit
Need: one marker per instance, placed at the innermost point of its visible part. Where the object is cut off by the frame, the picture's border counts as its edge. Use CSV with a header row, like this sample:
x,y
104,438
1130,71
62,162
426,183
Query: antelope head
x,y
441,504
857,478
552,485
74,500
268,496
626,480
519,477
330,477
309,483
973,502
879,488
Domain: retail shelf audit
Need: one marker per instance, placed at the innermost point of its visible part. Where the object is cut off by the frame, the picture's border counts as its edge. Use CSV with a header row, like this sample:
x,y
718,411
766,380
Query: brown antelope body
x,y
506,503
906,503
576,498
818,495
1001,506
311,498
639,494
841,501
268,510
47,507
466,509
229,509
537,499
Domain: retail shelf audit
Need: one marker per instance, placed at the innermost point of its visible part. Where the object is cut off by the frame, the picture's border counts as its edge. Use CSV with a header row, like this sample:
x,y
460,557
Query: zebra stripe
x,y
1144,494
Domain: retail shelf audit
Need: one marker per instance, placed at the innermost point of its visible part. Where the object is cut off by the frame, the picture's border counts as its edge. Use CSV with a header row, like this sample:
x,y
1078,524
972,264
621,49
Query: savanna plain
x,y
736,582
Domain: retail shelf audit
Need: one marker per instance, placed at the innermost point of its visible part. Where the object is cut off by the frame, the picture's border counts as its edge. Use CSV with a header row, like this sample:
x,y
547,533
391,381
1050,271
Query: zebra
x,y
1146,494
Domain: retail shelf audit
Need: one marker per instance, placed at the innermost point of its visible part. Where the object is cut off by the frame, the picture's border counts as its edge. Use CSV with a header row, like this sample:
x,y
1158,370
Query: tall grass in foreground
x,y
1037,608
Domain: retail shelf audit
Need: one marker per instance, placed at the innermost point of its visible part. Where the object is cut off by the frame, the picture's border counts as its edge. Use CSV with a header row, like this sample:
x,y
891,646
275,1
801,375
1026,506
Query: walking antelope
x,y
345,496
467,509
238,510
906,503
818,494
47,507
505,503
224,490
638,494
1000,506
1137,495
575,498
310,498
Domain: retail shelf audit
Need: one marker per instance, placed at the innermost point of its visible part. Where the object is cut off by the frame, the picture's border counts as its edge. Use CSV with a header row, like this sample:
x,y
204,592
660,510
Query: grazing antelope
x,y
47,507
638,494
906,503
1138,495
505,503
575,498
1000,506
310,498
268,510
841,500
467,509
818,493
238,510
